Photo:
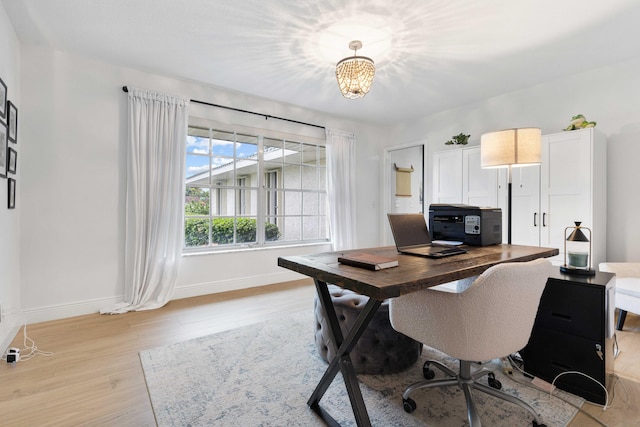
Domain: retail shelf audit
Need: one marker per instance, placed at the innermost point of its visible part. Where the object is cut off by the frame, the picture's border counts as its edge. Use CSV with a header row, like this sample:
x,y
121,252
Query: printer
x,y
471,225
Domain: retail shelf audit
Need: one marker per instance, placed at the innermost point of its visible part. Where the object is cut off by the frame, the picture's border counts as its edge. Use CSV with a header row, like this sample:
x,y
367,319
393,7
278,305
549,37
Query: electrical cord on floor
x,y
625,399
604,407
30,349
517,365
606,392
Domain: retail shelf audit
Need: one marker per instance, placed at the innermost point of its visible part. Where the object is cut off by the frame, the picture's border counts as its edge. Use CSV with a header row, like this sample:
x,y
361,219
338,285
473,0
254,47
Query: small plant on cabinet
x,y
460,139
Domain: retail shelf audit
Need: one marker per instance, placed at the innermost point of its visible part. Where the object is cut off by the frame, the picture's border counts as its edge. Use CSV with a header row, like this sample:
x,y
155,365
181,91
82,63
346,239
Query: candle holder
x,y
577,251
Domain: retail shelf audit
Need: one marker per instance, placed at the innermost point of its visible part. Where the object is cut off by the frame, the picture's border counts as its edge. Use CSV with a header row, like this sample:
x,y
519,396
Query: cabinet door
x,y
447,177
479,186
525,205
565,185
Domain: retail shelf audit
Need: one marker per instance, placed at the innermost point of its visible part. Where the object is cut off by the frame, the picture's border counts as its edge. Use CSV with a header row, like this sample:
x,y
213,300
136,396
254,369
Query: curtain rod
x,y
266,116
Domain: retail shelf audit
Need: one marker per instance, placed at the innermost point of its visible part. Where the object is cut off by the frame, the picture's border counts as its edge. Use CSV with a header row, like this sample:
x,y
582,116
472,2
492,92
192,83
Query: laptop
x,y
412,237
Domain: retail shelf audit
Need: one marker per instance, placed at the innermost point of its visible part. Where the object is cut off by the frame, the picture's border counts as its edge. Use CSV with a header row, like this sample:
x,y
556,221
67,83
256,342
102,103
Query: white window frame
x,y
271,182
262,213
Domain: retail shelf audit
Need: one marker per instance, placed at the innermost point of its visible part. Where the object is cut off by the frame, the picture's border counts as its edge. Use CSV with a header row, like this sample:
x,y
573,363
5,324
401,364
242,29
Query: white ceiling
x,y
430,55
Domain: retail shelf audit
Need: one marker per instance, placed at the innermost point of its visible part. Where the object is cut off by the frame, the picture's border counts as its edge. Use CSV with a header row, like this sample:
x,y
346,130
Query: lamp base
x,y
577,271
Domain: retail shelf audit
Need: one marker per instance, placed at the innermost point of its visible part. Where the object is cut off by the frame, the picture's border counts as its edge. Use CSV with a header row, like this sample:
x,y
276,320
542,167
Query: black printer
x,y
472,225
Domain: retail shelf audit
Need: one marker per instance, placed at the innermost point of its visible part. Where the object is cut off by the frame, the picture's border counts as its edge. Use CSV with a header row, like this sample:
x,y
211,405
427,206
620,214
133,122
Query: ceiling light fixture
x,y
355,73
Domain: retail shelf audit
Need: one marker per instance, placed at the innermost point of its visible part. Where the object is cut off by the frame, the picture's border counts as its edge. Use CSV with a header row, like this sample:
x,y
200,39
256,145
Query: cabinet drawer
x,y
572,308
550,353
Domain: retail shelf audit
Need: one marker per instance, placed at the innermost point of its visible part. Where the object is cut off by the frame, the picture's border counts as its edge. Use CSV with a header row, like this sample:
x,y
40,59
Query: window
x,y
252,190
241,208
271,184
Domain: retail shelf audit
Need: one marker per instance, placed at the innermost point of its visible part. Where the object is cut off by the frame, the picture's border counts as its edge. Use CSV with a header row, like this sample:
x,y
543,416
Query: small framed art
x,y
3,150
12,121
12,164
11,192
3,99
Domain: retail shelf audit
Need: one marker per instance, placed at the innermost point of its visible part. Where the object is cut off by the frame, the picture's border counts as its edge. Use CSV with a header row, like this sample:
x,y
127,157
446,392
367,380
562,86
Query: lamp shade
x,y
510,147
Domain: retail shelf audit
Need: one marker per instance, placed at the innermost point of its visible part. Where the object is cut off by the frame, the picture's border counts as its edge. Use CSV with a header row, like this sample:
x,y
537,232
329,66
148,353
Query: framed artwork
x,y
12,164
3,99
11,192
3,150
12,121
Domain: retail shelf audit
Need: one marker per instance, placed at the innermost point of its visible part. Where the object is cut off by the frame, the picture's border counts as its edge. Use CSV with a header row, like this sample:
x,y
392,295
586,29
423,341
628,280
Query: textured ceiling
x,y
431,55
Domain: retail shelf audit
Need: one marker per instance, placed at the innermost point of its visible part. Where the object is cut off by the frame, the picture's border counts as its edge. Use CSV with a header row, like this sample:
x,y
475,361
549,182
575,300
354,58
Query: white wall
x,y
10,219
608,95
71,181
73,123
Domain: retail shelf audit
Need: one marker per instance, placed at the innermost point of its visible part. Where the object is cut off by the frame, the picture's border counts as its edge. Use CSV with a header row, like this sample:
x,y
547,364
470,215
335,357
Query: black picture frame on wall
x,y
12,164
3,99
12,121
11,193
4,145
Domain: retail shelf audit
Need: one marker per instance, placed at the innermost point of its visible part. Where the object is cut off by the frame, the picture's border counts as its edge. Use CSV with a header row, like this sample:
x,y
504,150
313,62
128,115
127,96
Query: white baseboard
x,y
81,308
234,284
63,311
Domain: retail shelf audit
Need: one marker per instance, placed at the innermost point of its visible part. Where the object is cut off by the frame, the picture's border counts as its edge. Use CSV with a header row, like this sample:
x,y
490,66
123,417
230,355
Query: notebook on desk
x,y
411,236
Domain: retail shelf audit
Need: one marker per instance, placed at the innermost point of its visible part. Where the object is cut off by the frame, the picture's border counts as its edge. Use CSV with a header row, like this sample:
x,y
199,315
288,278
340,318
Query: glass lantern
x,y
577,251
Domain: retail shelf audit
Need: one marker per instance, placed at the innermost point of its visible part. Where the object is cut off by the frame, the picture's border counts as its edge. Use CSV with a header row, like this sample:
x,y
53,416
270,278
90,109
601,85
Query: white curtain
x,y
157,134
341,182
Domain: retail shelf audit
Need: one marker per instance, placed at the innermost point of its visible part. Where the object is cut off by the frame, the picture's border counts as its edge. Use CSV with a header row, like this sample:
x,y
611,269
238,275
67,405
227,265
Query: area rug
x,y
263,374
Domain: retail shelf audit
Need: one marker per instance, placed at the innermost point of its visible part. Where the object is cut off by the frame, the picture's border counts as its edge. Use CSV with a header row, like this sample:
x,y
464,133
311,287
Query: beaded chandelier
x,y
355,73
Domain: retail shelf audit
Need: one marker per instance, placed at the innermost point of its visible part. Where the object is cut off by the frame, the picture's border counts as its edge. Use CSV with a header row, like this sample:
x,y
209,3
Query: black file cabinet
x,y
574,331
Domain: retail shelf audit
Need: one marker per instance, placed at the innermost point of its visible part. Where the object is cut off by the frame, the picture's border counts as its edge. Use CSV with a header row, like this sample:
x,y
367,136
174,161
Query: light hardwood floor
x,y
95,377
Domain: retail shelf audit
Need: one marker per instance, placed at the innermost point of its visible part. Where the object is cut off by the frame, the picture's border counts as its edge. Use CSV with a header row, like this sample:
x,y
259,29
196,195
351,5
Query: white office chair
x,y
492,318
627,287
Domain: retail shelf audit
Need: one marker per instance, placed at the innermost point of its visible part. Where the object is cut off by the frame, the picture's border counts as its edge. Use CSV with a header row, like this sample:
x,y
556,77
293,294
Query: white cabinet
x,y
568,186
573,187
447,177
458,178
526,219
479,186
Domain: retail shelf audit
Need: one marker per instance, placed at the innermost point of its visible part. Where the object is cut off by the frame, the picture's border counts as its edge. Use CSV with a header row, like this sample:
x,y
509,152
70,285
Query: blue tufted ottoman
x,y
380,349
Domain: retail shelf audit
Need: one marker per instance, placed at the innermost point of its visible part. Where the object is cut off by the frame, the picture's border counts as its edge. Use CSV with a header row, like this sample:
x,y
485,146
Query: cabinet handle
x,y
544,219
535,217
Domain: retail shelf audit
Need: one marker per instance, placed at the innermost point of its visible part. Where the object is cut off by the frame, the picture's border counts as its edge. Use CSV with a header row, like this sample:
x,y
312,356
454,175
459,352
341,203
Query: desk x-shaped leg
x,y
342,360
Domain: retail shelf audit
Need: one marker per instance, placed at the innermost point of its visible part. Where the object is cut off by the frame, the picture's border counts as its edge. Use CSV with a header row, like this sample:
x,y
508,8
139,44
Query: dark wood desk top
x,y
413,273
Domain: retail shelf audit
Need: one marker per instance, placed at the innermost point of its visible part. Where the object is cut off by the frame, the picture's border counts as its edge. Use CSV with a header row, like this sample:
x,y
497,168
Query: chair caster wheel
x,y
493,382
409,405
427,373
535,424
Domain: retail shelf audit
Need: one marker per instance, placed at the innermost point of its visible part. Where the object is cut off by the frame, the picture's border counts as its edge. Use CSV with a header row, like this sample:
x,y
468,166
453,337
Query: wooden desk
x,y
412,274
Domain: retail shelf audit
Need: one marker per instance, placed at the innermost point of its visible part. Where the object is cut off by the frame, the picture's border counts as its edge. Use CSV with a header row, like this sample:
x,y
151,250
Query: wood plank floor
x,y
95,377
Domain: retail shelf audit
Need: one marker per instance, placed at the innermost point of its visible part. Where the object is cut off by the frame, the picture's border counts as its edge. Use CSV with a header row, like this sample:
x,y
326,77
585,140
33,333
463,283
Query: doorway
x,y
404,183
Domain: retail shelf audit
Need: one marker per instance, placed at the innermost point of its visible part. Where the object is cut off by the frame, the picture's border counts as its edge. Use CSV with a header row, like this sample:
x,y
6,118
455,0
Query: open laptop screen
x,y
409,230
